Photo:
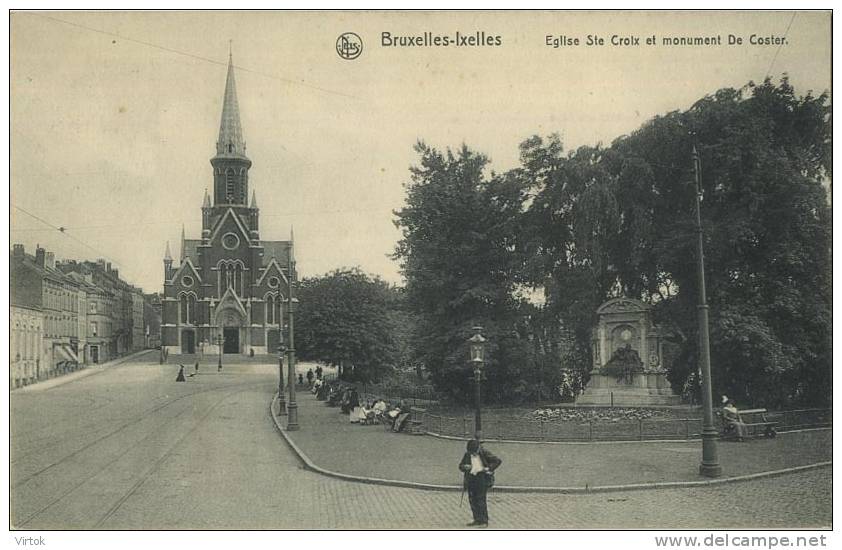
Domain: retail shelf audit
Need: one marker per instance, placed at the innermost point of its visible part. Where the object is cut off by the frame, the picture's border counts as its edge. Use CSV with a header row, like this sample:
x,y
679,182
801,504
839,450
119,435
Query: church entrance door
x,y
188,342
232,340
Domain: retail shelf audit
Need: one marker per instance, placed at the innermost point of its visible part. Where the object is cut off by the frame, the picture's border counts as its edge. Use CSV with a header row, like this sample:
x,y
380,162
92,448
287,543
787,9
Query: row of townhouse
x,y
67,314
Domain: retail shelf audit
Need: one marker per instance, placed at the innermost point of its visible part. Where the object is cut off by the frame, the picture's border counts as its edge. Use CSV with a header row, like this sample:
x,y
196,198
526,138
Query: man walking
x,y
478,465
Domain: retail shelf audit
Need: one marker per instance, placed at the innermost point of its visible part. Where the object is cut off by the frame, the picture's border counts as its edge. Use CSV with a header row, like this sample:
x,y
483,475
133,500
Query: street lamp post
x,y
219,341
710,466
282,407
477,343
292,305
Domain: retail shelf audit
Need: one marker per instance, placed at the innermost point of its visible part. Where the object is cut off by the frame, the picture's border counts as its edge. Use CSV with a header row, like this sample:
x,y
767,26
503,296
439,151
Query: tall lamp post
x,y
282,406
477,343
710,466
292,305
219,341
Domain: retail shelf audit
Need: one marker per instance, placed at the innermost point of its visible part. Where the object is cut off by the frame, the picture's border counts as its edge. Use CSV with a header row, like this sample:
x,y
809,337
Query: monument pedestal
x,y
644,389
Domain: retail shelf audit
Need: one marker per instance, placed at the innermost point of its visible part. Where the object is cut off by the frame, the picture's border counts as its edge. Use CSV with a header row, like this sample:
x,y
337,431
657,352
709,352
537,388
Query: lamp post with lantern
x,y
282,406
292,306
709,466
477,343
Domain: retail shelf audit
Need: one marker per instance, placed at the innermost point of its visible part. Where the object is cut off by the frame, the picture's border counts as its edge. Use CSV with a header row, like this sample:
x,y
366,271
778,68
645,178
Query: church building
x,y
228,287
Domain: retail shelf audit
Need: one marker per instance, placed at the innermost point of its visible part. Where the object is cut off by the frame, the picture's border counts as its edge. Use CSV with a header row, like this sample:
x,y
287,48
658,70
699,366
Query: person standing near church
x,y
478,465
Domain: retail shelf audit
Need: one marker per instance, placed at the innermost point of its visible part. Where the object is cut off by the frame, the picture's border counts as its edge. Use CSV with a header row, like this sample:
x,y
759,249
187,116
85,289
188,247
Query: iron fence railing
x,y
621,430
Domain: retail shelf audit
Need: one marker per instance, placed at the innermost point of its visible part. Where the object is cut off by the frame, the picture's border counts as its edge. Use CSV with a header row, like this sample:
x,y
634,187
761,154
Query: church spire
x,y
181,258
253,199
230,142
167,255
206,202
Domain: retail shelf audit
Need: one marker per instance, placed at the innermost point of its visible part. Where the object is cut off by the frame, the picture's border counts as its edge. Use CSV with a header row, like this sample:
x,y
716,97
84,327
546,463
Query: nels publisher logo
x,y
349,45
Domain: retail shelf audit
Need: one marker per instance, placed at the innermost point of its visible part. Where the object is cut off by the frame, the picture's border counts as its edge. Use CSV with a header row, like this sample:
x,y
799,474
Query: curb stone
x,y
310,465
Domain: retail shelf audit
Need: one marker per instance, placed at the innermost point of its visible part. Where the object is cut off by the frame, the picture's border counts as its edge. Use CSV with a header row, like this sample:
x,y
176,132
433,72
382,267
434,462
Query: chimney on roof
x,y
18,252
116,273
39,256
50,260
108,267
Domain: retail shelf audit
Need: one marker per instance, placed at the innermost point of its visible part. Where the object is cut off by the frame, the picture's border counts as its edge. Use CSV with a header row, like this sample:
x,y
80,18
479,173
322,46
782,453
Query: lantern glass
x,y
477,353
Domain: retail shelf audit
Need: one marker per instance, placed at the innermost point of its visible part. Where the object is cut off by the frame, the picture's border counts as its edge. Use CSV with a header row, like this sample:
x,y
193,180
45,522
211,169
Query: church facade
x,y
229,288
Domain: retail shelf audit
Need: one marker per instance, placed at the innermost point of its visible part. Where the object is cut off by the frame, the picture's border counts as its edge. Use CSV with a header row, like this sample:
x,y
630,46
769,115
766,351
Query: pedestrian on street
x,y
196,368
310,377
180,377
478,465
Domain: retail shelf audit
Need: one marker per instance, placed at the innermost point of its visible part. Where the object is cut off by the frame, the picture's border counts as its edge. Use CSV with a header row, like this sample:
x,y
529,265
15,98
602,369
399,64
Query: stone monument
x,y
627,358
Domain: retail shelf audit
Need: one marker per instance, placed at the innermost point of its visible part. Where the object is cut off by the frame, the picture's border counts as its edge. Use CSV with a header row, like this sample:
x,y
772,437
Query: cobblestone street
x,y
129,448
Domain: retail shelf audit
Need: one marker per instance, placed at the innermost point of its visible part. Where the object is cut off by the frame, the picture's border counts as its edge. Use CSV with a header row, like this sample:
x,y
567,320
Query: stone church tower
x,y
229,287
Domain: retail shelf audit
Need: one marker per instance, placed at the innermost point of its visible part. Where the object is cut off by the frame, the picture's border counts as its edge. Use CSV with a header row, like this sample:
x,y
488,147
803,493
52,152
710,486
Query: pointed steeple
x,y
181,256
253,199
206,202
230,142
291,245
167,255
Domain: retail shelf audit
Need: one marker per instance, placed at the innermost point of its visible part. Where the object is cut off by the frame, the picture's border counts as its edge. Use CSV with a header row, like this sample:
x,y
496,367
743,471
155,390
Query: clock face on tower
x,y
230,241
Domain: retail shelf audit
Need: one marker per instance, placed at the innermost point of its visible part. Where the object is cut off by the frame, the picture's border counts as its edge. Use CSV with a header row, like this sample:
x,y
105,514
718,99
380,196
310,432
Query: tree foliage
x,y
598,222
458,257
348,319
620,220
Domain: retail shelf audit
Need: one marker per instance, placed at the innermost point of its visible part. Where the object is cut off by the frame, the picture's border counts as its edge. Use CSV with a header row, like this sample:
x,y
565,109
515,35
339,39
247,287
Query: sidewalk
x,y
332,443
88,370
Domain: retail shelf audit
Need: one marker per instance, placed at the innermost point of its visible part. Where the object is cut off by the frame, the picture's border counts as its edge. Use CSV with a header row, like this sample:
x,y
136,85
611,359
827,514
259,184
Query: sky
x,y
114,116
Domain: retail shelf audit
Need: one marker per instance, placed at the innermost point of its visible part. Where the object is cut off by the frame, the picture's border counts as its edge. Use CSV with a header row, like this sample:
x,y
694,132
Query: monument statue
x,y
628,363
624,363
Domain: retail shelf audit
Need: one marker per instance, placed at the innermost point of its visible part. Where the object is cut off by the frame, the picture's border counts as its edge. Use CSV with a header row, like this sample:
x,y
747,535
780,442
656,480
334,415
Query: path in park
x,y
371,451
129,448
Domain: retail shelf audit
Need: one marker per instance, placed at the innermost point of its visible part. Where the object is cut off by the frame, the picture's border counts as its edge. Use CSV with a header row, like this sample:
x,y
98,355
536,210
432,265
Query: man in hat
x,y
733,422
478,465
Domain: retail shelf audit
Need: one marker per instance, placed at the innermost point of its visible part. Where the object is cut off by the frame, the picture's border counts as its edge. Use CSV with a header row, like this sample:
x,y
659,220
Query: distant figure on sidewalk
x,y
300,379
180,377
319,372
310,377
478,465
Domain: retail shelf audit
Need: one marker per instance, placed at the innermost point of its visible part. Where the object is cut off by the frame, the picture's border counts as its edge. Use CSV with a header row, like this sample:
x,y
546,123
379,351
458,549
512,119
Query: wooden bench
x,y
755,422
416,425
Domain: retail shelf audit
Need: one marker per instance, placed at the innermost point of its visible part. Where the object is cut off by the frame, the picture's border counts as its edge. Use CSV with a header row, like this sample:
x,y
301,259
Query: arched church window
x,y
187,309
270,310
273,309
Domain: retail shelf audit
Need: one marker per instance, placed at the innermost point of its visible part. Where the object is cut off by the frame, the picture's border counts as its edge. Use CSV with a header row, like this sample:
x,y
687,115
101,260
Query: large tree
x,y
347,319
458,257
605,221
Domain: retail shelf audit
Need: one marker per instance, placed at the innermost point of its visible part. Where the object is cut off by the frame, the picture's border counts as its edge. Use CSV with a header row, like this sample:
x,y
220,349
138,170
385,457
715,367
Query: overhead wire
x,y
191,55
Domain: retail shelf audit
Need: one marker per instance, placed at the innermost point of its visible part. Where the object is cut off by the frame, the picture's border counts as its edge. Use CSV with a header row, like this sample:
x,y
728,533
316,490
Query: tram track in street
x,y
143,416
236,388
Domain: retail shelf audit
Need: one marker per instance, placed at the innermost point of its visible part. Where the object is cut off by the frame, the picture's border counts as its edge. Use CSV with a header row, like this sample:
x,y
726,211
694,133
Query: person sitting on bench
x,y
732,420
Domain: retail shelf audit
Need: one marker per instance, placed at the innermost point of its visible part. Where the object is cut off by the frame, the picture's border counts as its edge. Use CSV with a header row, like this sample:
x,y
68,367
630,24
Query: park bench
x,y
416,425
755,422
